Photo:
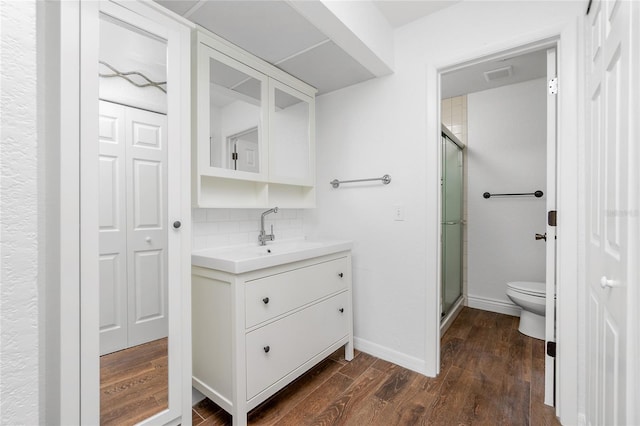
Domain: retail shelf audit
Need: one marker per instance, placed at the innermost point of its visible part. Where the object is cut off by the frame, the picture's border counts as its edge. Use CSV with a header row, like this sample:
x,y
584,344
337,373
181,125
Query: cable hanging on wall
x,y
116,73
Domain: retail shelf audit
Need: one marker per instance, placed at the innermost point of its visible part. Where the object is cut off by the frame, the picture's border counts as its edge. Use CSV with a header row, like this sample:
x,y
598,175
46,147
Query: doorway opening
x,y
500,108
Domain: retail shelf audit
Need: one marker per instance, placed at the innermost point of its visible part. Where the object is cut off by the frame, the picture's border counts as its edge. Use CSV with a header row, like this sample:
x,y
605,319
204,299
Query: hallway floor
x,y
490,375
133,383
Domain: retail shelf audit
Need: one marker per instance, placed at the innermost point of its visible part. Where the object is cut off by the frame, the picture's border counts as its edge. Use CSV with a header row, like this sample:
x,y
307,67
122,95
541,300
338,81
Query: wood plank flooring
x,y
133,383
490,375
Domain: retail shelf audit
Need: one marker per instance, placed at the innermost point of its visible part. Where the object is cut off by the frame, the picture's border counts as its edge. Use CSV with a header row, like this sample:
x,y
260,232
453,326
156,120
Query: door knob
x,y
605,282
177,224
541,236
266,349
265,300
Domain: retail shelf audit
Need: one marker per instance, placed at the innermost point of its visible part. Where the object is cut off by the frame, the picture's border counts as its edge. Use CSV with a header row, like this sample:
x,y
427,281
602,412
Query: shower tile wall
x,y
226,227
453,112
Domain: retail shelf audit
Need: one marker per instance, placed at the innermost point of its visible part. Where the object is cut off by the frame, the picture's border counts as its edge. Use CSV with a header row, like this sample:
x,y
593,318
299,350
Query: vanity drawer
x,y
275,350
268,297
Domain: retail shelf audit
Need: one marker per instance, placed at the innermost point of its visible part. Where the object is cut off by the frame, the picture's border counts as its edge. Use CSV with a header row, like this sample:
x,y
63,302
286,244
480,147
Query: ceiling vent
x,y
498,73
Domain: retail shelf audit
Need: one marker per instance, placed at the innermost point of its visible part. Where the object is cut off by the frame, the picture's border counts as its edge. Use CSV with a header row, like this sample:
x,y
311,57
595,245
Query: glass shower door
x,y
452,188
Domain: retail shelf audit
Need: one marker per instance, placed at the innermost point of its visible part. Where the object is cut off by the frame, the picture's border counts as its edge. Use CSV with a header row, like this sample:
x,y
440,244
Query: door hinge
x,y
552,218
234,156
553,86
551,349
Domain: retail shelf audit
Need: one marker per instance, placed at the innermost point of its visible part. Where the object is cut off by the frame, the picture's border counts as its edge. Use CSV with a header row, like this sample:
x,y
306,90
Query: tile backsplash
x,y
227,227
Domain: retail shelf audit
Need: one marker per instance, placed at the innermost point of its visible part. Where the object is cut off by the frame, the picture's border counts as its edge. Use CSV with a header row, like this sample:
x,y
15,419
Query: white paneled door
x,y
133,235
610,251
248,155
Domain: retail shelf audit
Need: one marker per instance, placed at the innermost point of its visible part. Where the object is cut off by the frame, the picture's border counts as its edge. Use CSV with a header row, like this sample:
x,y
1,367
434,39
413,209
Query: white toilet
x,y
531,297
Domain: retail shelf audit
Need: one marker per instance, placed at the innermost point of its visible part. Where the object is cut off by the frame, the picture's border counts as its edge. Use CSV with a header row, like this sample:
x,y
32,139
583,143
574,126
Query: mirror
x,y
290,134
244,148
133,262
235,118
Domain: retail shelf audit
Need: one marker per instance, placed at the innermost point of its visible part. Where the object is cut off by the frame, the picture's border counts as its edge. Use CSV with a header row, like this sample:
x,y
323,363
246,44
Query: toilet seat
x,y
531,288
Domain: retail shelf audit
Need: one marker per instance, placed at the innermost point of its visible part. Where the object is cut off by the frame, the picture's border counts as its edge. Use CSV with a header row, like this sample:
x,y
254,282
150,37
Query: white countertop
x,y
239,259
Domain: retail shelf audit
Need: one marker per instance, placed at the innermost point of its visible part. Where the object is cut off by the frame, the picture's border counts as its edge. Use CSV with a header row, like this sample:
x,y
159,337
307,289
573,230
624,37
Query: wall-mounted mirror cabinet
x,y
254,138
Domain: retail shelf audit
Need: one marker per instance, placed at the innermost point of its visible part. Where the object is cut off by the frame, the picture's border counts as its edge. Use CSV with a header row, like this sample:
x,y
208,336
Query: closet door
x,y
133,234
112,228
146,136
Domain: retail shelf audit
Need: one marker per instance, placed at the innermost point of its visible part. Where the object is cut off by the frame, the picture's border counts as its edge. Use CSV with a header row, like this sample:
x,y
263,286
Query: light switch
x,y
398,213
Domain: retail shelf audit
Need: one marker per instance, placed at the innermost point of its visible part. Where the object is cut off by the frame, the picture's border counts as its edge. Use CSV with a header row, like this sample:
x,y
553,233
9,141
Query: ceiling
x,y
277,31
401,12
471,79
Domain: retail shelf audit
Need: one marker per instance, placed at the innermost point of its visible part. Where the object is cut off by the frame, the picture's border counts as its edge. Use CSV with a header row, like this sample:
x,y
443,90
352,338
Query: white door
x,y
133,238
607,180
147,220
113,228
248,155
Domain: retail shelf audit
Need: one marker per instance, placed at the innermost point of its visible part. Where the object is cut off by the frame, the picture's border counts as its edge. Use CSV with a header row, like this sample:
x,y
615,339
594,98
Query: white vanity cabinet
x,y
255,332
254,130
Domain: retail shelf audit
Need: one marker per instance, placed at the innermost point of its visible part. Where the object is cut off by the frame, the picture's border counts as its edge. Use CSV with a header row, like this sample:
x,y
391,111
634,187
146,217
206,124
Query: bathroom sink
x,y
247,258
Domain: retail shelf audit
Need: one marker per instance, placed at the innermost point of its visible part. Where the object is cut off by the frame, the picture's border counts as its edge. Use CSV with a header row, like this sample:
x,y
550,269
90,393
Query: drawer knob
x,y
341,275
265,300
266,349
341,310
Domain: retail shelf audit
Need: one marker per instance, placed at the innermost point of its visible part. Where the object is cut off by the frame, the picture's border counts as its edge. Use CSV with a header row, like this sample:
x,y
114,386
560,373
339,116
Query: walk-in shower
x,y
452,221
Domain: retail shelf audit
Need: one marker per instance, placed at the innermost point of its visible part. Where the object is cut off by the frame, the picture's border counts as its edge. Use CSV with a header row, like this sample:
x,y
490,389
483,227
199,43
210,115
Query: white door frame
x,y
634,228
75,63
550,242
568,205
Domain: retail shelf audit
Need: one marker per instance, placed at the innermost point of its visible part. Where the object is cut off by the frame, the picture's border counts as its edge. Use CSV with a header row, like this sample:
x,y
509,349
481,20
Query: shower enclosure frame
x,y
450,308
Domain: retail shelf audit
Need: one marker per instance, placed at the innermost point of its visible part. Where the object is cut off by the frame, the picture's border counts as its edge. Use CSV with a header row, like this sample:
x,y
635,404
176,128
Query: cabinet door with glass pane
x,y
291,135
232,126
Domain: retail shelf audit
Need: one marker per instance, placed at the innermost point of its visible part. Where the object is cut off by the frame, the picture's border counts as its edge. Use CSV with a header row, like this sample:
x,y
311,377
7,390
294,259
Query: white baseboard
x,y
382,352
493,305
196,396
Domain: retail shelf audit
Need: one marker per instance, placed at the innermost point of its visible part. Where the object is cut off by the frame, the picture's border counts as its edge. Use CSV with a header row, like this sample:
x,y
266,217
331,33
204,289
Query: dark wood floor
x,y
133,383
490,375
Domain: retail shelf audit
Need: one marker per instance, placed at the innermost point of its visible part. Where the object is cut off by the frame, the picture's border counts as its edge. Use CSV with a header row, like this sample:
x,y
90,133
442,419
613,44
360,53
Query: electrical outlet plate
x,y
398,213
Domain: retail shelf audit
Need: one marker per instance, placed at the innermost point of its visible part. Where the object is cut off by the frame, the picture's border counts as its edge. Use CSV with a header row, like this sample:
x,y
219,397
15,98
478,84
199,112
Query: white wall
x,y
506,154
19,326
380,126
366,131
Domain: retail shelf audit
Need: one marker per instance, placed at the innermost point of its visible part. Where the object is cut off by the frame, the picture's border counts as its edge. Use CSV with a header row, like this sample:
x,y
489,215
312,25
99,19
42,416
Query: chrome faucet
x,y
264,237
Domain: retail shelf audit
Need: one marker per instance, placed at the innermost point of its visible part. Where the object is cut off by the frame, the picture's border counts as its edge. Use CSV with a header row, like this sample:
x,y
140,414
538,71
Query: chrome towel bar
x,y
386,179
